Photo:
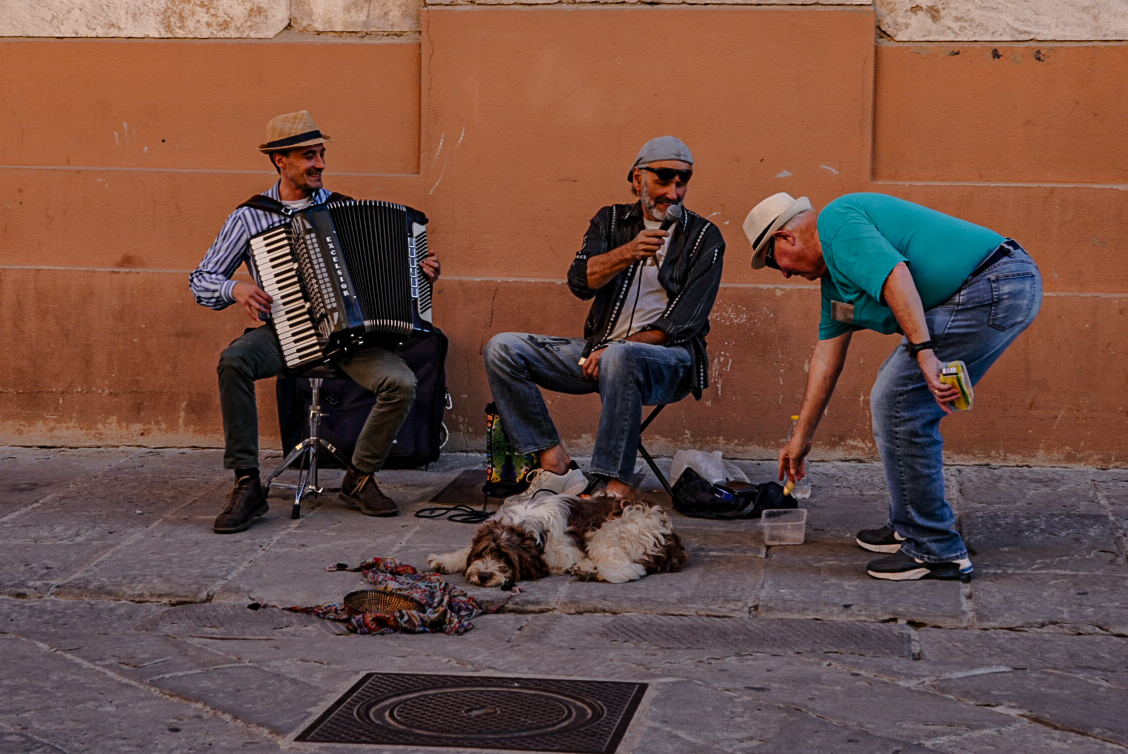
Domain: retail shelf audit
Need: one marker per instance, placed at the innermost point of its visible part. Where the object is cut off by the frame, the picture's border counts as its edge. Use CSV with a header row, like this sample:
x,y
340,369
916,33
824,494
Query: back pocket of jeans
x,y
1014,299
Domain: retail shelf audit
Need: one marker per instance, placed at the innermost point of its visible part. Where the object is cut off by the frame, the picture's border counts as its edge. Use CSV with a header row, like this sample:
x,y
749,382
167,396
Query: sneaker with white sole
x,y
902,567
545,482
881,539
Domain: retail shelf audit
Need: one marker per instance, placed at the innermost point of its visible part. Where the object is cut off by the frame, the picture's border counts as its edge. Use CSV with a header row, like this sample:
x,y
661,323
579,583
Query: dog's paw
x,y
584,570
451,562
438,564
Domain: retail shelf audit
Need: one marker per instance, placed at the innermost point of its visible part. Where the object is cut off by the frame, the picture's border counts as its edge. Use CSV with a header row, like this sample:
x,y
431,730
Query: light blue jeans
x,y
631,375
974,326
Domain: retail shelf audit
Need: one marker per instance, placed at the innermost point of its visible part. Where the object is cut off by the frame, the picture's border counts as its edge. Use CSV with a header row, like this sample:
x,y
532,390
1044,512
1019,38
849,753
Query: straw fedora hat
x,y
766,218
290,131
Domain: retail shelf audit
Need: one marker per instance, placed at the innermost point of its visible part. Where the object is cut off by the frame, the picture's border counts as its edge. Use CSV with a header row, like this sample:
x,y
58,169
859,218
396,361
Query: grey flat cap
x,y
661,148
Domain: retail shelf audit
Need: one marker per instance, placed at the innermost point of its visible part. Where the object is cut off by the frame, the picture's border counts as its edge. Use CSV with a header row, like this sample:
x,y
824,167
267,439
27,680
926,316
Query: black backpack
x,y
698,497
346,406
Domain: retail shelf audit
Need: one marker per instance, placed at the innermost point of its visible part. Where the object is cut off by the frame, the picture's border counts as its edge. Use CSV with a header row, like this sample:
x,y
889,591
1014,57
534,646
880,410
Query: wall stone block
x,y
1003,20
901,20
370,16
184,19
866,3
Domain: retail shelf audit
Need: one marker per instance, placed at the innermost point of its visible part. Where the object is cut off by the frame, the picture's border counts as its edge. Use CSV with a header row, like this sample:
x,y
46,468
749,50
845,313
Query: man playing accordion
x,y
296,149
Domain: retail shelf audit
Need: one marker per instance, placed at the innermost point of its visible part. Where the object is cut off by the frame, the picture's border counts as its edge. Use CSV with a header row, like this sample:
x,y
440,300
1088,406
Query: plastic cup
x,y
784,526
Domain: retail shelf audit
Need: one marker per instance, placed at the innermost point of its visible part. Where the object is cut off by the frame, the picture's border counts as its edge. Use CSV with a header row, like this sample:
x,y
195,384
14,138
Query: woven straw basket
x,y
378,601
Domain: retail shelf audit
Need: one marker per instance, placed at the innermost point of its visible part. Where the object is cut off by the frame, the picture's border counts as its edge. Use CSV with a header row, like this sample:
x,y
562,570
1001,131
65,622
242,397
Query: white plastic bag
x,y
709,465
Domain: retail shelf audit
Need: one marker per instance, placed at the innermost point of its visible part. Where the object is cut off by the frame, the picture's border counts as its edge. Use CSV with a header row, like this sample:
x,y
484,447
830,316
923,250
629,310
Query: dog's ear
x,y
524,555
485,541
673,555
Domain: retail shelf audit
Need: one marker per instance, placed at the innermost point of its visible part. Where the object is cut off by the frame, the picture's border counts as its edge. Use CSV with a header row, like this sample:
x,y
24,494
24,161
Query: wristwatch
x,y
915,348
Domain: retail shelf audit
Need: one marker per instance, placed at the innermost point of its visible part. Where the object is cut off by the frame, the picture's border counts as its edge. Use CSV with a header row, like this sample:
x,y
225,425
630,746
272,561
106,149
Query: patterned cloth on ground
x,y
445,609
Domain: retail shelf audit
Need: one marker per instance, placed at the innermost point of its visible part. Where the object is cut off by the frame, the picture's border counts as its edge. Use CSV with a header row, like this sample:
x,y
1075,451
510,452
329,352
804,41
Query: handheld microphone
x,y
673,215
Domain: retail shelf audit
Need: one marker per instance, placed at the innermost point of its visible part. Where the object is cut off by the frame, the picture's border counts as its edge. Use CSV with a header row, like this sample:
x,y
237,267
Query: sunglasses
x,y
669,174
769,256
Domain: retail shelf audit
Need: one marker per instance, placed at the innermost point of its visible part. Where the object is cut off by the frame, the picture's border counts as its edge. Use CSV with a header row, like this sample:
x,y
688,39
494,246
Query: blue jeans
x,y
631,375
975,326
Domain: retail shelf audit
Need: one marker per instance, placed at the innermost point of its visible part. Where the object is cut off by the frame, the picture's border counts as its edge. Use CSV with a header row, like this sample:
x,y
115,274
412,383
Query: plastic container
x,y
784,526
800,490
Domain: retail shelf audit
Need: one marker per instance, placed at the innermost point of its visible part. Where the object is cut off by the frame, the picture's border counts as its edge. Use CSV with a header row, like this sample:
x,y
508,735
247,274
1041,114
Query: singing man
x,y
653,284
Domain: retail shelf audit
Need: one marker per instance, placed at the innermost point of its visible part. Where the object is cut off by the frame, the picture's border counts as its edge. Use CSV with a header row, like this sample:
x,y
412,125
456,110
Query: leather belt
x,y
1002,251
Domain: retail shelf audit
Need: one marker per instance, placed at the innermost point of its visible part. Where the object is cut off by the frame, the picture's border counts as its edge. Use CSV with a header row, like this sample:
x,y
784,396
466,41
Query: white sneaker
x,y
545,482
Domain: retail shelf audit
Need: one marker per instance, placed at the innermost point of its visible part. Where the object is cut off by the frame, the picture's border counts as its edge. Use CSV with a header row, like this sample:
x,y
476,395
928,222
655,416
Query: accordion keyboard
x,y
278,274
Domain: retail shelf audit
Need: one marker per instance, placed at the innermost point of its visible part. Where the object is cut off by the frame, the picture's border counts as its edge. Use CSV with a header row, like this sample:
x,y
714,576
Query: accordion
x,y
341,274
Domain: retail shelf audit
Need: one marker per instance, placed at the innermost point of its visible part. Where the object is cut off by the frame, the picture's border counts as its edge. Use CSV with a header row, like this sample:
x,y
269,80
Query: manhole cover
x,y
539,714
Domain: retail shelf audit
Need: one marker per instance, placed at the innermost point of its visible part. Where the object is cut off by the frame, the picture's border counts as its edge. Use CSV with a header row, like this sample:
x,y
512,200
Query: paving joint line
x,y
1121,536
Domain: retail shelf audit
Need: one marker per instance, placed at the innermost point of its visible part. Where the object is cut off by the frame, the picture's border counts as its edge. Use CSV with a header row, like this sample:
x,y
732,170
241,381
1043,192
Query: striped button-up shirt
x,y
211,281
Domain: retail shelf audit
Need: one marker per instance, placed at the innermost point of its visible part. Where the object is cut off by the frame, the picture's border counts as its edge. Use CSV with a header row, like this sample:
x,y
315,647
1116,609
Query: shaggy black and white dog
x,y
599,538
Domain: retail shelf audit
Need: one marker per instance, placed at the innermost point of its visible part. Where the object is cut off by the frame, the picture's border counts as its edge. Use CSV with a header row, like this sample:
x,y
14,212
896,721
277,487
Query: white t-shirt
x,y
300,203
650,296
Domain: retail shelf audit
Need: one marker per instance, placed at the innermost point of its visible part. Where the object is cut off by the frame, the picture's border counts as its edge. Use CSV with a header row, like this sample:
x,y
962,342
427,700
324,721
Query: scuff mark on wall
x,y
931,11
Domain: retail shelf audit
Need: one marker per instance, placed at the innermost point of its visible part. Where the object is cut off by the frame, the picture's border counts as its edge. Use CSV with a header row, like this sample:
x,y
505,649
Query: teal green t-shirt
x,y
864,236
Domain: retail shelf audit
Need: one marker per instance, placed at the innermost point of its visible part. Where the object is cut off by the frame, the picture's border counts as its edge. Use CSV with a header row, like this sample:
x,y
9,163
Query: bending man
x,y
954,290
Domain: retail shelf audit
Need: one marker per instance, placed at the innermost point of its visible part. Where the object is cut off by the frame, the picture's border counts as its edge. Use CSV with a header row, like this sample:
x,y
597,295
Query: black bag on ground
x,y
698,497
346,406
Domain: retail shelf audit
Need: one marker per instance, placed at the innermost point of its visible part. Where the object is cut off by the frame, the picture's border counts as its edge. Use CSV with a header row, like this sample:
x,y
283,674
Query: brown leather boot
x,y
361,491
244,504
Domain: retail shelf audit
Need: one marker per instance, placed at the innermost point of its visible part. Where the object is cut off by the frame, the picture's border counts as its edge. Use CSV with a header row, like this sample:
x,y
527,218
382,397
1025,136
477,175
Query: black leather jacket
x,y
690,273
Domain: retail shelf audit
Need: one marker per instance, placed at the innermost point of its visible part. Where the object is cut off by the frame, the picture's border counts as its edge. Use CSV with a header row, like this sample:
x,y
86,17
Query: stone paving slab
x,y
762,727
293,570
871,704
30,569
1025,737
257,696
1025,649
1055,542
1093,602
45,693
30,474
838,515
829,581
1032,491
1056,699
125,498
1114,495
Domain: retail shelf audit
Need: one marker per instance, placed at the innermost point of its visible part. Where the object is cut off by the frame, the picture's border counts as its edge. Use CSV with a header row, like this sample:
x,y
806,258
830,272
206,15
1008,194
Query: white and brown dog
x,y
599,538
